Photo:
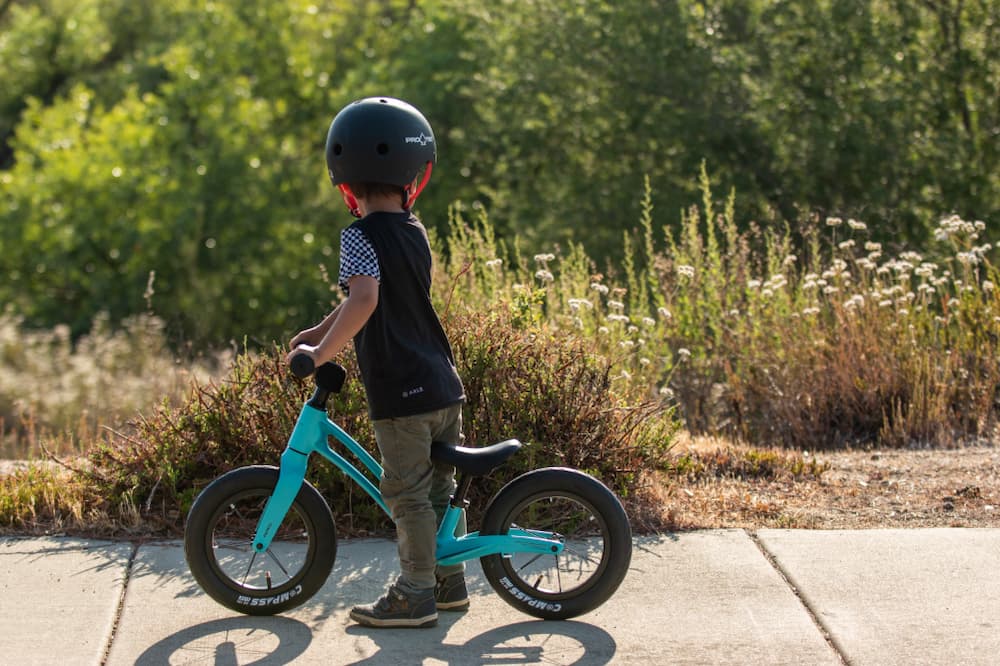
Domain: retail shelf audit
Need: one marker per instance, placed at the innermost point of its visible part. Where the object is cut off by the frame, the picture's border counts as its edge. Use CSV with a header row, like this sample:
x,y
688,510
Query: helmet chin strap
x,y
350,199
412,196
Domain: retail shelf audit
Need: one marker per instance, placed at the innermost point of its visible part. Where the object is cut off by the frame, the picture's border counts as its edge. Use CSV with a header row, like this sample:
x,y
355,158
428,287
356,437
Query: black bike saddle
x,y
475,462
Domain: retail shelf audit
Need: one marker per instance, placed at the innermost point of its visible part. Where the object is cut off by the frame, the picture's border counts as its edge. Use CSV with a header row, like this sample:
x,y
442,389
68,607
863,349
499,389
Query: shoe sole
x,y
404,622
453,605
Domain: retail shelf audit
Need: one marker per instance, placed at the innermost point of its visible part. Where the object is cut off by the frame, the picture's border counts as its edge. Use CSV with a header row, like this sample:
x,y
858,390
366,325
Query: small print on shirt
x,y
357,257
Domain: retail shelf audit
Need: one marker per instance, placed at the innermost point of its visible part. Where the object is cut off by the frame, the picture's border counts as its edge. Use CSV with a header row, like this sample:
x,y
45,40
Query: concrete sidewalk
x,y
712,597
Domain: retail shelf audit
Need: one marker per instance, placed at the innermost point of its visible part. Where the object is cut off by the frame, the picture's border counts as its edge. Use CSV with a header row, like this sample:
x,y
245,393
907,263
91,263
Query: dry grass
x,y
65,392
896,488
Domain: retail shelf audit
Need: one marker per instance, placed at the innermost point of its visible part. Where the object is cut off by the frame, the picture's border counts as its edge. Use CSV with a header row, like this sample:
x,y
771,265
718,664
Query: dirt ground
x,y
857,490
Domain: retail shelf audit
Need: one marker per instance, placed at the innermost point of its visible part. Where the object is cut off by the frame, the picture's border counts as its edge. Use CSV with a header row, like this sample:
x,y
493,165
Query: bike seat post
x,y
458,499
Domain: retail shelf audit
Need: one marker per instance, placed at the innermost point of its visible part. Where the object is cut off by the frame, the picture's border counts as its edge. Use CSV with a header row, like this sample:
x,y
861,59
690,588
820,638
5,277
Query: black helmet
x,y
380,140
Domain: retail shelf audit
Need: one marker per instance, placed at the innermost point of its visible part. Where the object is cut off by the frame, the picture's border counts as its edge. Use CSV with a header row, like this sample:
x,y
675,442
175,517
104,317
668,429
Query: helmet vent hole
x,y
382,148
337,149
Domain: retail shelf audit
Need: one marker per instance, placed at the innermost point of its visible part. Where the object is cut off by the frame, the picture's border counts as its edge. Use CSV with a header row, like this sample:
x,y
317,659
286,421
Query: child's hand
x,y
310,336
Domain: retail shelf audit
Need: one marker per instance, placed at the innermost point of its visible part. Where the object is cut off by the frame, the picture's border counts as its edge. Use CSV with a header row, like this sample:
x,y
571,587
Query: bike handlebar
x,y
302,365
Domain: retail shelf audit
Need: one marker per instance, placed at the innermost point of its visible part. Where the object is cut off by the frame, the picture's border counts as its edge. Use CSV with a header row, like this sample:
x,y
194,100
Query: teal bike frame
x,y
311,434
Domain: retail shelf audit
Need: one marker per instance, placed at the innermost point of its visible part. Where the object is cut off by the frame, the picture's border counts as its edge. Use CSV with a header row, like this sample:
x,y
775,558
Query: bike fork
x,y
290,477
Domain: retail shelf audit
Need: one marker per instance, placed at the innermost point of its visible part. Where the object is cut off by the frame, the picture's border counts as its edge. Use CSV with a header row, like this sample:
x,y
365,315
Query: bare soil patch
x,y
857,490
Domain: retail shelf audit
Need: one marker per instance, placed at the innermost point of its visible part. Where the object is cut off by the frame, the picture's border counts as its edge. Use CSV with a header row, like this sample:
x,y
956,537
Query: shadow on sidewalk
x,y
529,642
232,640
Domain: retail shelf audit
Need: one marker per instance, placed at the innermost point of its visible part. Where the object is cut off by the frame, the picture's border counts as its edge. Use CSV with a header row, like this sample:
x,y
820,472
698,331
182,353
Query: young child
x,y
375,151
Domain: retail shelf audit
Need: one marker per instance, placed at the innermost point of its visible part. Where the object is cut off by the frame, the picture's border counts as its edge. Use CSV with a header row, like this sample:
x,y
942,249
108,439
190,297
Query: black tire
x,y
218,544
595,531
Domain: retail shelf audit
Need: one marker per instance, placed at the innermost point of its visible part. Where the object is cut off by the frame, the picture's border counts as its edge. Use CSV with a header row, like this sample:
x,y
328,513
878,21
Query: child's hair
x,y
368,190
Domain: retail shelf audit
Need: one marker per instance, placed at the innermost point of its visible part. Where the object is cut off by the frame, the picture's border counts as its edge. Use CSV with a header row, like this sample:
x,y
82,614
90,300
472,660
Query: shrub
x,y
536,385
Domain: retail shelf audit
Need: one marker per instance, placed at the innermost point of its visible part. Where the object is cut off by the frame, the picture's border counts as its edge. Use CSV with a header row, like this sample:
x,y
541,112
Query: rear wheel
x,y
218,544
585,516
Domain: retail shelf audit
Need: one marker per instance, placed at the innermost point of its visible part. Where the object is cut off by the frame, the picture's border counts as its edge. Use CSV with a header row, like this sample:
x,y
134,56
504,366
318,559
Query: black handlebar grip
x,y
302,365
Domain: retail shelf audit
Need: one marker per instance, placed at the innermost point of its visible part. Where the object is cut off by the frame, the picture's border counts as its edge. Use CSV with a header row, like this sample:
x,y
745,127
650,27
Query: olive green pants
x,y
417,490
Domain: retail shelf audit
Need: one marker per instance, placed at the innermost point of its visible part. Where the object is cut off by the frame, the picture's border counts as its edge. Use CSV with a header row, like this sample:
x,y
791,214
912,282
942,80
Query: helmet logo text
x,y
423,139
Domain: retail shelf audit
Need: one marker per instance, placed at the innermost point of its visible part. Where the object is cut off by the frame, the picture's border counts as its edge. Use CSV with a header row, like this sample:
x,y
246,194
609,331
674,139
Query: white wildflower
x,y
684,353
872,246
544,275
753,284
599,288
988,286
777,281
542,258
867,264
648,321
494,263
616,305
644,361
834,221
953,225
685,271
664,313
856,225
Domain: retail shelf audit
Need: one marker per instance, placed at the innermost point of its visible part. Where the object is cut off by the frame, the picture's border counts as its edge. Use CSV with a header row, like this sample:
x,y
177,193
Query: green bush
x,y
532,384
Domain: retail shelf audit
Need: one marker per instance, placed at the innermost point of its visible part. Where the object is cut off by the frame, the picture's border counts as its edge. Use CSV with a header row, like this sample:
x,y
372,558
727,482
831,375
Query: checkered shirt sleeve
x,y
357,257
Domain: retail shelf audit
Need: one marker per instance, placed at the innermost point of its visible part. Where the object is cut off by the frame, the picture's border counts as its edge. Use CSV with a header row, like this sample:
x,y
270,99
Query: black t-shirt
x,y
406,362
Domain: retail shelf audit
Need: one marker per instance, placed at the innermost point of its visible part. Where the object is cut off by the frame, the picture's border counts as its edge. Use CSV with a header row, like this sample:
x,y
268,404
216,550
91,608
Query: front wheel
x,y
218,544
581,512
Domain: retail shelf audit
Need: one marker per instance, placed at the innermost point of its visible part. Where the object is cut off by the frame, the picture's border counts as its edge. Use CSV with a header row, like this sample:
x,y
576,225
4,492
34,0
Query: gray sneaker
x,y
398,609
450,593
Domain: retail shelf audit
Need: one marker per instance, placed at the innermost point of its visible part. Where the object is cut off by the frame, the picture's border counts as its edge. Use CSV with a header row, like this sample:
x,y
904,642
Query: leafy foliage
x,y
178,144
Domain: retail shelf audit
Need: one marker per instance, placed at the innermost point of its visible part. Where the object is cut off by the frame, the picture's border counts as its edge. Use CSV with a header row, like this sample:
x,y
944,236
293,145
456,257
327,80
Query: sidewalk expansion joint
x,y
121,604
813,615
